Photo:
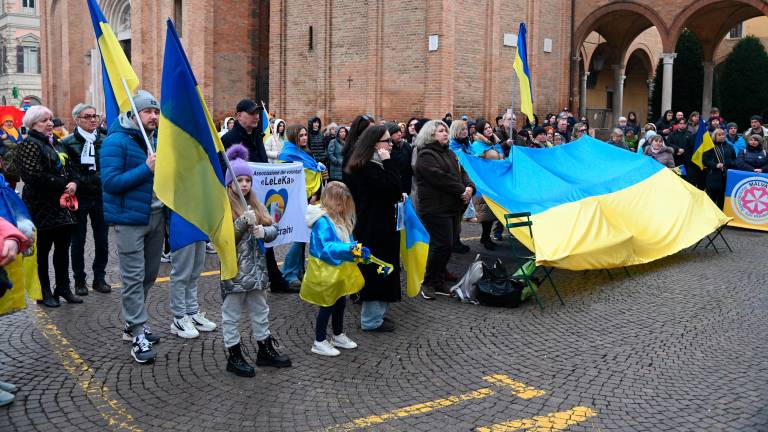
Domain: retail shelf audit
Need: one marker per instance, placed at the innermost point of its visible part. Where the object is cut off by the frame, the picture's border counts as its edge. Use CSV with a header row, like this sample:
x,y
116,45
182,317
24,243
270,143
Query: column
x,y
706,103
668,60
583,95
618,92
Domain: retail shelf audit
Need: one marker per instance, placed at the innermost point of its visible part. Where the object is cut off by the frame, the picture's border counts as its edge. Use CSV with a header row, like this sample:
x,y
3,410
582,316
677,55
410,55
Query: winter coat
x,y
376,190
275,143
331,271
45,177
126,180
751,159
253,142
316,141
336,156
89,180
722,153
763,133
401,153
664,156
679,140
663,124
440,181
251,261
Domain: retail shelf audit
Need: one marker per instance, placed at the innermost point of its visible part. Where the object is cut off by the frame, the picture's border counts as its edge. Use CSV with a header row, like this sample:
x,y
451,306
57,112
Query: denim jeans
x,y
293,266
372,314
93,209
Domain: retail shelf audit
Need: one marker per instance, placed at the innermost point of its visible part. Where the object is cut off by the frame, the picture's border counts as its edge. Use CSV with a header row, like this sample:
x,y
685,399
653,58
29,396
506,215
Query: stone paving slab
x,y
679,345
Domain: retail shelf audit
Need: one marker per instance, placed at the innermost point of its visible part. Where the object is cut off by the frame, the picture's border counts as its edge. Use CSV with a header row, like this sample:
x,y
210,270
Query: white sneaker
x,y
342,341
202,323
165,257
184,328
325,348
209,248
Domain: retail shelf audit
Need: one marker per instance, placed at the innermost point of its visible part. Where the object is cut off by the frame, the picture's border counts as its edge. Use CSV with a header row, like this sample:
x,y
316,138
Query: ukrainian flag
x,y
188,175
312,175
414,248
523,74
114,66
331,271
594,205
265,129
702,144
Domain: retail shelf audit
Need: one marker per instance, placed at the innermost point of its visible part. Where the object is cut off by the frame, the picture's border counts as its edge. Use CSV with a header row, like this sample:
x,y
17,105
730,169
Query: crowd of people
x,y
105,173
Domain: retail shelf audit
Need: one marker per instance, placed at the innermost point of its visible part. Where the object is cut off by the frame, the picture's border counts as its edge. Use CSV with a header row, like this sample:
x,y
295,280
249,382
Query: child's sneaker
x,y
128,337
342,341
184,328
202,323
325,348
141,350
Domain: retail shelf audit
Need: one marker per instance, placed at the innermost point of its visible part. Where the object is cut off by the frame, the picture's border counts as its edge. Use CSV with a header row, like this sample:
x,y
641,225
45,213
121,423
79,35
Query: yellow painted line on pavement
x,y
518,389
549,423
110,409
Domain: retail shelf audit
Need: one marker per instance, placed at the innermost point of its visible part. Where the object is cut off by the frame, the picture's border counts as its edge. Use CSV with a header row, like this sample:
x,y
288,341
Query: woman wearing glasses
x,y
374,180
83,147
47,182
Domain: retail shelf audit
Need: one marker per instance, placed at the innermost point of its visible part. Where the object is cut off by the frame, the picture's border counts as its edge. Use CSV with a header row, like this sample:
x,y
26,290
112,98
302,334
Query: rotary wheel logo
x,y
750,200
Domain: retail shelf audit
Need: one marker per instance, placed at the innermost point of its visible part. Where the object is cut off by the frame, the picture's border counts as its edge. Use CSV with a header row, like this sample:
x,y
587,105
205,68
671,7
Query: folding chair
x,y
526,256
711,240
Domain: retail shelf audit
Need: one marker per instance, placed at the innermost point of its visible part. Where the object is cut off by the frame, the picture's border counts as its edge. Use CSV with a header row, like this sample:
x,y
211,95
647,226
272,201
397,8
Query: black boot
x,y
81,288
67,295
269,356
102,286
49,300
236,362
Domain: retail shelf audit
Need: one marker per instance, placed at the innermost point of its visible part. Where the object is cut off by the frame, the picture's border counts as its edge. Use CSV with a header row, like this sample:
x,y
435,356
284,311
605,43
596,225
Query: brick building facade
x,y
340,58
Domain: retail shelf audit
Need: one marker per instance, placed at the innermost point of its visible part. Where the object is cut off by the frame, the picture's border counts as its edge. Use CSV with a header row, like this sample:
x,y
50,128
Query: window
x,y
737,31
178,16
27,59
28,5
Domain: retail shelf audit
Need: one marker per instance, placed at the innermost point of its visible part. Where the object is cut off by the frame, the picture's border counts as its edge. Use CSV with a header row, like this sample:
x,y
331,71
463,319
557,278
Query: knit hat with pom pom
x,y
238,157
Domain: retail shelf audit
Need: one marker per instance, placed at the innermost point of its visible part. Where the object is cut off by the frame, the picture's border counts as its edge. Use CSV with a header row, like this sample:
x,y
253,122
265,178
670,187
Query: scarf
x,y
12,133
88,155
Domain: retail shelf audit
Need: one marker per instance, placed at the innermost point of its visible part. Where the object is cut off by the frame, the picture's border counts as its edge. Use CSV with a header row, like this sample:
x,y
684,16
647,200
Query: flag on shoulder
x,y
115,66
189,177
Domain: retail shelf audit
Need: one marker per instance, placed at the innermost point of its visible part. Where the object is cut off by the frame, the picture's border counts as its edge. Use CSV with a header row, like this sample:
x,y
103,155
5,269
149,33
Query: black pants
x,y
273,271
486,232
717,196
441,238
57,238
457,229
95,210
337,312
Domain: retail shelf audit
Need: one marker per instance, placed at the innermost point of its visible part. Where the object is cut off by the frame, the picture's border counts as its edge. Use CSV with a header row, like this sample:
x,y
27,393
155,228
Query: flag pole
x,y
150,152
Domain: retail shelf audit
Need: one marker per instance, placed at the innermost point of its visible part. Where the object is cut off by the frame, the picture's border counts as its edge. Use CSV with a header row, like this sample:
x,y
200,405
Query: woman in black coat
x,y
374,180
46,179
754,157
718,161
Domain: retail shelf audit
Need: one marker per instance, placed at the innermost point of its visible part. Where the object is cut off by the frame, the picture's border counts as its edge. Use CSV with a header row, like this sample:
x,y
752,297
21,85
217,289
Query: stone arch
x,y
118,13
642,17
644,54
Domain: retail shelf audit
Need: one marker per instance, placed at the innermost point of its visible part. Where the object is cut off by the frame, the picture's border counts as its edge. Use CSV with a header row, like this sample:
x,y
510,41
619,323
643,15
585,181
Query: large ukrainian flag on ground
x,y
189,177
312,175
114,66
594,205
414,248
520,65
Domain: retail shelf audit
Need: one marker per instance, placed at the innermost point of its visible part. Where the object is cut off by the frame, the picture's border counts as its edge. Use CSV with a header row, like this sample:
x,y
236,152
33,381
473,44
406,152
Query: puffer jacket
x,y
751,159
126,180
316,141
251,261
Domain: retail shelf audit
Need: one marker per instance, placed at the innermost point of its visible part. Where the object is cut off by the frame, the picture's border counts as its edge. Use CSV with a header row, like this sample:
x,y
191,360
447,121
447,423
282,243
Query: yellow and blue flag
x,y
702,144
265,129
594,205
524,74
114,66
312,172
414,248
189,177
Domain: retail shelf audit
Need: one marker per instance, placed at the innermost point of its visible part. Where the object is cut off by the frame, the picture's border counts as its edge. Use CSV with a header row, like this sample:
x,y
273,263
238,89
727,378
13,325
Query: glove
x,y
250,218
258,232
321,167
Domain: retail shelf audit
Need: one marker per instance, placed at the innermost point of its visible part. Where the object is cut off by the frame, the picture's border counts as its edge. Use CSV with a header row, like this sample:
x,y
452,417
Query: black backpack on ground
x,y
496,288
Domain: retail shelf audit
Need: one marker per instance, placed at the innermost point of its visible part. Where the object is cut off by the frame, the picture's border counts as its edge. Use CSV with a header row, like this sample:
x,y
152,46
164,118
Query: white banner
x,y
281,188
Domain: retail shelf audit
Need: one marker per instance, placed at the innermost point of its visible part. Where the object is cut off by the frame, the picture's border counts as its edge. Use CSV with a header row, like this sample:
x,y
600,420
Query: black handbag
x,y
497,289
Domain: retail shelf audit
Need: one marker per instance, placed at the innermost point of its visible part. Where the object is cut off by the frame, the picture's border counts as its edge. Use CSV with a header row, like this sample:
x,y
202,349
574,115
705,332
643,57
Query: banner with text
x,y
746,199
281,188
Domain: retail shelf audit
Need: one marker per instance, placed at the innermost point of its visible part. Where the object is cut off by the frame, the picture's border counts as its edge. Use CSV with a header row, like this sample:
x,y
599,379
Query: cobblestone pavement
x,y
679,345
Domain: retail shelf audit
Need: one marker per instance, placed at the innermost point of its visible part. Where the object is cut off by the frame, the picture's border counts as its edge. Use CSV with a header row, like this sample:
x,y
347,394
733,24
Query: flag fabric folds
x,y
702,144
114,66
265,129
414,248
520,65
594,205
312,175
189,177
